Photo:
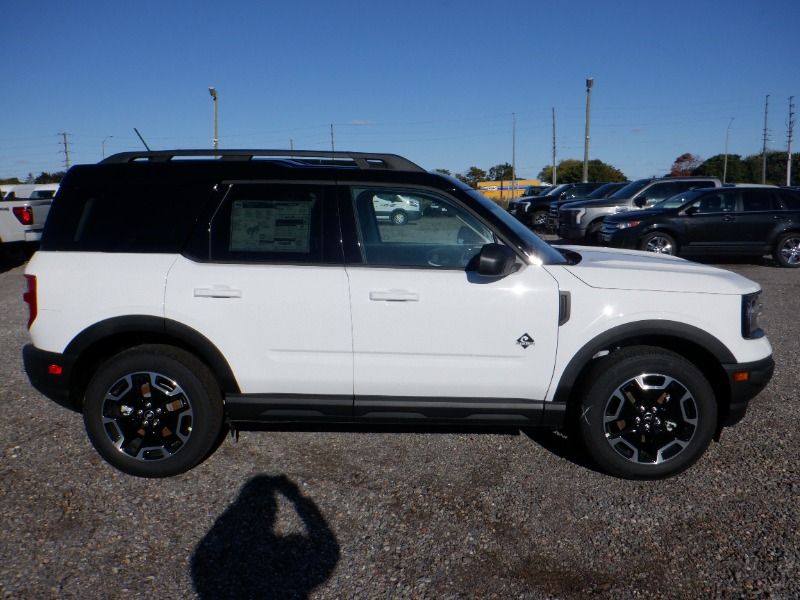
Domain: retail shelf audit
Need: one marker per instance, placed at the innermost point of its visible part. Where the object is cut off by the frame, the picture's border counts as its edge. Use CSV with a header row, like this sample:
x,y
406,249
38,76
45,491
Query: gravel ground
x,y
388,514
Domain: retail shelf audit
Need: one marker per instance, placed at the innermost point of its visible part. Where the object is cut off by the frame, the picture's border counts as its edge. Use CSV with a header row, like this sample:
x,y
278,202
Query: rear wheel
x,y
646,413
787,250
660,243
153,411
399,217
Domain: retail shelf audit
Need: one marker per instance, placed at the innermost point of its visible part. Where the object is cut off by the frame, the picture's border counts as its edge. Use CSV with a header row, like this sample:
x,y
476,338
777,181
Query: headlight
x,y
578,214
620,209
751,311
627,224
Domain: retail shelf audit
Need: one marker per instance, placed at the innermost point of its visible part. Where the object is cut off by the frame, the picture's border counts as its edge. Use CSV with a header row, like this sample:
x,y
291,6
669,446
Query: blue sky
x,y
434,81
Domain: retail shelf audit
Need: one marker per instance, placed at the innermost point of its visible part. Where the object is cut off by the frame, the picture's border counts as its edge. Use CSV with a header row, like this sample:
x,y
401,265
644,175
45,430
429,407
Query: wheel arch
x,y
702,349
102,340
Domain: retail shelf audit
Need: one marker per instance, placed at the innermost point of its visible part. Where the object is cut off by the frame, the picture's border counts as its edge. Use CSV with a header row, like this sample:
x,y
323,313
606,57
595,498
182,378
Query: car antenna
x,y
141,138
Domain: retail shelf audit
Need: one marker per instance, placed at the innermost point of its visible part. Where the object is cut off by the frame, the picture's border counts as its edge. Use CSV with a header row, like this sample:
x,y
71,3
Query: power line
x,y
64,135
789,140
764,148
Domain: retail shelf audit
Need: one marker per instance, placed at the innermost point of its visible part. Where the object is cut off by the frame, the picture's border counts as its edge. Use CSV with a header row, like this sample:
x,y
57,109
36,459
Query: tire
x,y
646,413
787,250
660,243
539,219
593,232
399,217
153,411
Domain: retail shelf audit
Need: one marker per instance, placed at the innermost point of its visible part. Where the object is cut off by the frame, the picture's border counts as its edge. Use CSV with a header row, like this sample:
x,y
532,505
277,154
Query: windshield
x,y
602,191
554,191
534,244
677,200
629,191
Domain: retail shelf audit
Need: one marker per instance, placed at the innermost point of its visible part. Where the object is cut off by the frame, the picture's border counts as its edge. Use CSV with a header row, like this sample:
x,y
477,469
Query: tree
x,y
714,166
570,170
501,172
50,177
442,171
10,181
685,164
473,176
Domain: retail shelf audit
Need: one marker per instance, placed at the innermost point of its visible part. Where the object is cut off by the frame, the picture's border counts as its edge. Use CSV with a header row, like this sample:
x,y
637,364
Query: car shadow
x,y
563,446
11,258
554,441
243,556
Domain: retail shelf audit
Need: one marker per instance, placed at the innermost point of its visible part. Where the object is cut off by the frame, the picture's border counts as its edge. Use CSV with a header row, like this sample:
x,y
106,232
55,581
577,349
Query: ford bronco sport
x,y
173,299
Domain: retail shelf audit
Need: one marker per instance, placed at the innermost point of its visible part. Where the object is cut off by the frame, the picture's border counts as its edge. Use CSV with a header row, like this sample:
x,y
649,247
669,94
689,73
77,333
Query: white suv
x,y
172,300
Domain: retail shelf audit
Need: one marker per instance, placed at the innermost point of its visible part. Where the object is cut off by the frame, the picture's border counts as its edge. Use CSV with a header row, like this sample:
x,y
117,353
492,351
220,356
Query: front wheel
x,y
660,243
539,219
153,411
787,250
646,413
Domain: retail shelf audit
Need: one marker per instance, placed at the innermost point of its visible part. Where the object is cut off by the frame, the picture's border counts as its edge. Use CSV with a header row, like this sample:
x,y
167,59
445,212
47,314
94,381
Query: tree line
x,y
739,170
569,170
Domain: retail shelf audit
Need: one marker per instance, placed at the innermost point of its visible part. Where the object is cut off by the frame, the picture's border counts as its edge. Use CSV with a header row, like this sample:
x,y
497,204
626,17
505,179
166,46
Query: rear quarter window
x,y
151,218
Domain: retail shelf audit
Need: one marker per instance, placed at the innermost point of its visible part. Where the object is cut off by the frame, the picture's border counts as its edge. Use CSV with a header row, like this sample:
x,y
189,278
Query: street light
x,y
103,144
213,92
725,161
589,84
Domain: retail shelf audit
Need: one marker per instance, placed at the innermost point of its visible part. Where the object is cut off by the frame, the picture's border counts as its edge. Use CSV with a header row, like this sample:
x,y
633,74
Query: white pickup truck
x,y
23,211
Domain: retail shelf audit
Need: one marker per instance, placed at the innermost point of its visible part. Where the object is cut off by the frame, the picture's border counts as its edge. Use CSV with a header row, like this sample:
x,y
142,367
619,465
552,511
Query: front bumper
x,y
619,238
571,232
742,391
38,365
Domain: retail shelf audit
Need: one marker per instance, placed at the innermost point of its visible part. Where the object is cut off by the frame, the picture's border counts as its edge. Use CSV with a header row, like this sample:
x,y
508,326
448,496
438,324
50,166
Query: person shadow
x,y
242,556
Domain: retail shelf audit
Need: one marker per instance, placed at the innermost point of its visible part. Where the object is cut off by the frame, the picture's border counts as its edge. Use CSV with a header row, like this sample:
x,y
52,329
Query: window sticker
x,y
271,226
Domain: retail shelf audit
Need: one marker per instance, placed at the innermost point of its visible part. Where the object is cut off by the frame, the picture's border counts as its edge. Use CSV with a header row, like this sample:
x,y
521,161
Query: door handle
x,y
394,296
217,292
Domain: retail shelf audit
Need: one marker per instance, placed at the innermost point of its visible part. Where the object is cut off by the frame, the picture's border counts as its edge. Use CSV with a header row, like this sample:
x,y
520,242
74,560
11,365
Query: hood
x,y
612,268
599,202
638,215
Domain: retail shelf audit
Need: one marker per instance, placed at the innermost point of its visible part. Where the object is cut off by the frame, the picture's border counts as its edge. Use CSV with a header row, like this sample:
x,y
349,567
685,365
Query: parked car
x,y
23,212
171,299
582,220
604,191
743,220
533,210
396,208
536,190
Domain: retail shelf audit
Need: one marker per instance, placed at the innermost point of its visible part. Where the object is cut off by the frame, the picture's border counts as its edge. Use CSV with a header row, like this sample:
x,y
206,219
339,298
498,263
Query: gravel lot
x,y
388,514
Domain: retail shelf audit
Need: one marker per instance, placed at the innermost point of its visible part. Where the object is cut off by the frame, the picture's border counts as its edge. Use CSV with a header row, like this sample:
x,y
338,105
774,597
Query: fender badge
x,y
525,340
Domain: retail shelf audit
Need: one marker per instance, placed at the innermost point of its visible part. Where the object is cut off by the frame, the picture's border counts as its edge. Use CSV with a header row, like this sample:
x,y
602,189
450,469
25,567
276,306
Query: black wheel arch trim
x,y
630,331
188,338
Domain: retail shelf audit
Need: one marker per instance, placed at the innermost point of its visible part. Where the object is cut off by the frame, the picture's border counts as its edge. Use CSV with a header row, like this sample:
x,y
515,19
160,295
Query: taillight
x,y
24,214
30,298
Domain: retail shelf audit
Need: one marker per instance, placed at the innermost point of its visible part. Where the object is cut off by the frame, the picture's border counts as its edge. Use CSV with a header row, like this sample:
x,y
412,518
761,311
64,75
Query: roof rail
x,y
360,160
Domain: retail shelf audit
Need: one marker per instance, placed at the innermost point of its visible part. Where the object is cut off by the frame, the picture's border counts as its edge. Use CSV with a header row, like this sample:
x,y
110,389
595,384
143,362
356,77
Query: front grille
x,y
568,217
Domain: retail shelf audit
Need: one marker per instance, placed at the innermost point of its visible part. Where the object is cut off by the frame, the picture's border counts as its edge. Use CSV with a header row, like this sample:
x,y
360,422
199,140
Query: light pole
x,y
725,161
103,144
589,84
213,92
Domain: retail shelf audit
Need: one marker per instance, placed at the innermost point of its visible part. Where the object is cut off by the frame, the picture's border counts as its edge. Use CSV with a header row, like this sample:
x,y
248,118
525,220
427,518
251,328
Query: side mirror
x,y
692,210
496,260
640,202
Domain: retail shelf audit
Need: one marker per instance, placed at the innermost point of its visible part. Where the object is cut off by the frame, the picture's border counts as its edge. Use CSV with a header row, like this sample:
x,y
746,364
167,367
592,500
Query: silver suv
x,y
583,219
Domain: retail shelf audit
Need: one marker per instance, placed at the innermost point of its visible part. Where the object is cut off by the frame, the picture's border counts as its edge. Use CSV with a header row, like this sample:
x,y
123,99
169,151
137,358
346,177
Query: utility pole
x,y
554,174
66,149
764,148
213,92
513,154
589,84
333,145
789,136
725,162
